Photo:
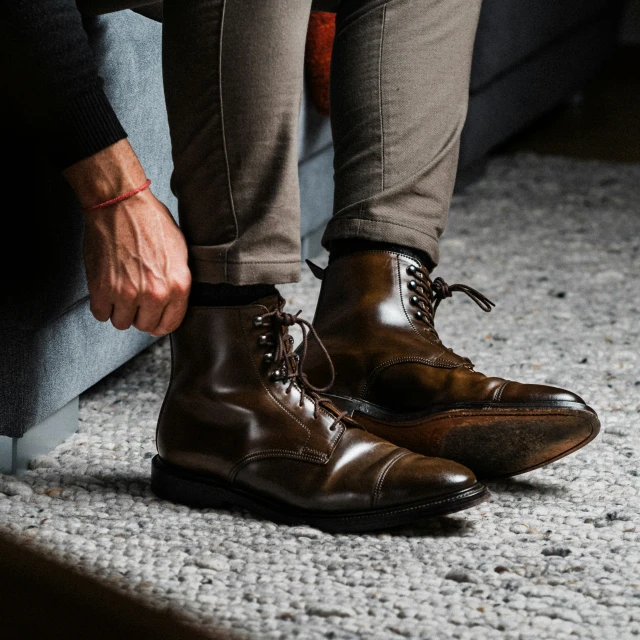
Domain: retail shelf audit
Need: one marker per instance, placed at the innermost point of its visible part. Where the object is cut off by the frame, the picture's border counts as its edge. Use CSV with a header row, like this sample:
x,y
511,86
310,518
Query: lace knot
x,y
289,319
436,291
441,289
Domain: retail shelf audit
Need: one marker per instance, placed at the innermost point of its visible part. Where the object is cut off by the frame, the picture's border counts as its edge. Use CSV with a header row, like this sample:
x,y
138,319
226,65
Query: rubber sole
x,y
177,485
494,441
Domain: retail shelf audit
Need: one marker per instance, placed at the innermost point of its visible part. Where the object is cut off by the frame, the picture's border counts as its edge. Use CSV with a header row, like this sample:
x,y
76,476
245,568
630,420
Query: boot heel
x,y
169,484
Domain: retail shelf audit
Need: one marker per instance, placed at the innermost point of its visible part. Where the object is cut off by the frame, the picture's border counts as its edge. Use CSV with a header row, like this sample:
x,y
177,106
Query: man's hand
x,y
136,262
135,255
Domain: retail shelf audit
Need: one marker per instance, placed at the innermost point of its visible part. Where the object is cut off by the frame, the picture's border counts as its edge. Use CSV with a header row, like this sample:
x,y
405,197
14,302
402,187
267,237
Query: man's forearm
x,y
107,174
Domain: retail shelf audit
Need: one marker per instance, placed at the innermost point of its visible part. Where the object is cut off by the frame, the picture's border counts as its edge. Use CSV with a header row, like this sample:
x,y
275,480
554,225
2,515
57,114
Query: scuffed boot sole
x,y
177,485
494,441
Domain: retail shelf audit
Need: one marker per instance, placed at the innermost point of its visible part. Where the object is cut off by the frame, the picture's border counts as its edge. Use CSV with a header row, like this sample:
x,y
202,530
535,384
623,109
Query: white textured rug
x,y
555,554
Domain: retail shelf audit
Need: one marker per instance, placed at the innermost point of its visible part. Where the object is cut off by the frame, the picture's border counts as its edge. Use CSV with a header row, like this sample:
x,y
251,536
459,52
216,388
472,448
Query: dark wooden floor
x,y
602,123
40,598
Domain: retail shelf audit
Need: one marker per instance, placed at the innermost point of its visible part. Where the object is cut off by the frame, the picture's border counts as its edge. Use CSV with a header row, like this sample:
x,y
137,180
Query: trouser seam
x,y
224,135
382,26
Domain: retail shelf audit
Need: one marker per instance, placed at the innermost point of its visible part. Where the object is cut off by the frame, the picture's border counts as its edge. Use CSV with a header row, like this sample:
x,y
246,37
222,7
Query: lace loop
x,y
290,365
442,290
428,294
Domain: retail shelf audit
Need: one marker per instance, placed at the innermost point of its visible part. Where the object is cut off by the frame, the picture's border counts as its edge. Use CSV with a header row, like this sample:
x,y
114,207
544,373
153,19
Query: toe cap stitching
x,y
383,475
498,394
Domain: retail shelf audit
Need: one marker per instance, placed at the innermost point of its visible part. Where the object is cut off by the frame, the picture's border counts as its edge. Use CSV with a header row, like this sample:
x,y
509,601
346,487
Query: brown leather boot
x,y
241,425
392,373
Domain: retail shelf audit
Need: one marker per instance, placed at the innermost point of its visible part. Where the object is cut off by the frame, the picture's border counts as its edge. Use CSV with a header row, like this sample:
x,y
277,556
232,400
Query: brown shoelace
x,y
428,294
291,365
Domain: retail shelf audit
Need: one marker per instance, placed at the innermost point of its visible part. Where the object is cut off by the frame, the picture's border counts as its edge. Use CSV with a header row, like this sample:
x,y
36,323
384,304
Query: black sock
x,y
204,294
344,247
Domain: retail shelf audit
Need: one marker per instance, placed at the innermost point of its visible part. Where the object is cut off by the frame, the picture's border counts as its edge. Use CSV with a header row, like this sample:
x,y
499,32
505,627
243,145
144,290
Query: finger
x,y
172,317
123,315
148,315
100,309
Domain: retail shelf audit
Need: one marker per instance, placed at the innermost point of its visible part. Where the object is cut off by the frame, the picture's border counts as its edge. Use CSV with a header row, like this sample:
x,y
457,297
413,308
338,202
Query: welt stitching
x,y
480,413
383,475
402,510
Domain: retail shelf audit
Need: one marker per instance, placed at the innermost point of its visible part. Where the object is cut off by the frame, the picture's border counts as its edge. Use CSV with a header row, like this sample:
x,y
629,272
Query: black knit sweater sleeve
x,y
52,77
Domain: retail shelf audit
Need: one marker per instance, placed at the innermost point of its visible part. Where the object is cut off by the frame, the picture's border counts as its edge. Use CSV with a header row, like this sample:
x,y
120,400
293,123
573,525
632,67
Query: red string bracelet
x,y
124,196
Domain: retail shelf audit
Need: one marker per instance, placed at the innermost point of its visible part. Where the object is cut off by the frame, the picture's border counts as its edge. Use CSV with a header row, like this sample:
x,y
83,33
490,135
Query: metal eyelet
x,y
257,321
332,427
290,339
411,269
263,339
414,300
278,374
412,284
419,315
268,357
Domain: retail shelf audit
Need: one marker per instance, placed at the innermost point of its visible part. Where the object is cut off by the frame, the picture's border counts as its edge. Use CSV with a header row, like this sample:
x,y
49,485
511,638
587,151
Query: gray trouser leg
x,y
233,81
399,92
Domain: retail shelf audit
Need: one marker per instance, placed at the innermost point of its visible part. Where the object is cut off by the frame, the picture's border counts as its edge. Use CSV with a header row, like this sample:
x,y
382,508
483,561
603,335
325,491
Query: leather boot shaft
x,y
221,381
241,424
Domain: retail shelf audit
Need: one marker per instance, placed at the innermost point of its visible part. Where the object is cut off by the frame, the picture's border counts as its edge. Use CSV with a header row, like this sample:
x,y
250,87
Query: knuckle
x,y
128,294
101,291
182,286
157,293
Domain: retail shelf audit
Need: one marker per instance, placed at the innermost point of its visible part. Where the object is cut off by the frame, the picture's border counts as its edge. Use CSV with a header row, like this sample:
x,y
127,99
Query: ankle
x,y
223,294
347,246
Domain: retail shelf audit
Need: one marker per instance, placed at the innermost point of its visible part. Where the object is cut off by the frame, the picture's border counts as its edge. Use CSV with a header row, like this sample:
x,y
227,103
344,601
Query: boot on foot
x,y
375,316
242,425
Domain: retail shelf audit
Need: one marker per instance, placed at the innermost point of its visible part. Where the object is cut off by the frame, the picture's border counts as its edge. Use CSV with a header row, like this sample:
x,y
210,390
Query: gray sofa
x,y
529,55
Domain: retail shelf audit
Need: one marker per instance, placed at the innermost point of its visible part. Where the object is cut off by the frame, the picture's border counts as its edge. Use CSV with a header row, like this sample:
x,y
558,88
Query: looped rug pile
x,y
555,554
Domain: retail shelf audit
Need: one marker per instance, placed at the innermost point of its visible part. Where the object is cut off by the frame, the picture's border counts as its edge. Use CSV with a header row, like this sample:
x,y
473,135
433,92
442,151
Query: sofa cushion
x,y
510,31
128,50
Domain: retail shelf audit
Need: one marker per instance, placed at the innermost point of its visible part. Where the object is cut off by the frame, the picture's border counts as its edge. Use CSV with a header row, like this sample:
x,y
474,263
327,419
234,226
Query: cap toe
x,y
410,477
516,393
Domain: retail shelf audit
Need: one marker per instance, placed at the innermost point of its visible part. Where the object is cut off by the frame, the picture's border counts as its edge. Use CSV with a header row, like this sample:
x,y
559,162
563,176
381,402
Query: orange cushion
x,y
322,29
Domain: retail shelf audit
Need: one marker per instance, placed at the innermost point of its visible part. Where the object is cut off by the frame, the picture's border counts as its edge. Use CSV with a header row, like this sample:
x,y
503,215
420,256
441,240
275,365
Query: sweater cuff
x,y
88,125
